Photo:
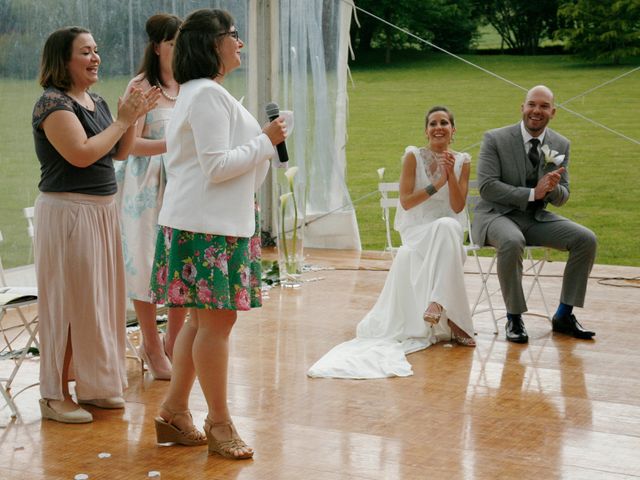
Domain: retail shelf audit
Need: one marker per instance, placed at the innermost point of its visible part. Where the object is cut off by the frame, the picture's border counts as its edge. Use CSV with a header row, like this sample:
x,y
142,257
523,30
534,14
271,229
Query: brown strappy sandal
x,y
226,448
168,432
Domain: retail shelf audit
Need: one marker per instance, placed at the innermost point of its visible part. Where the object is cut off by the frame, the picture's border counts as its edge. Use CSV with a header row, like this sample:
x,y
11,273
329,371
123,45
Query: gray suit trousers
x,y
511,232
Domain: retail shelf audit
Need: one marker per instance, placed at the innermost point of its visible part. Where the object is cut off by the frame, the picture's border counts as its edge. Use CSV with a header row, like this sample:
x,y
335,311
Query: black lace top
x,y
57,174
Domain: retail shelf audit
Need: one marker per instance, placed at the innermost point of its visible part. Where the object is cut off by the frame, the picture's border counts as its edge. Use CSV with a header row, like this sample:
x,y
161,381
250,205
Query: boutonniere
x,y
551,157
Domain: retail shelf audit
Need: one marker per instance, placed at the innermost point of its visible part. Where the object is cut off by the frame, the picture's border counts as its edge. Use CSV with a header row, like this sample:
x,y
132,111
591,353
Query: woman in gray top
x,y
78,252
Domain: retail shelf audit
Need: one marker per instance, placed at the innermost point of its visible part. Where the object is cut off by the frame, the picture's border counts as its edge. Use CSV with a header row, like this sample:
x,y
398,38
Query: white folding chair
x,y
389,200
388,203
533,267
29,213
18,337
483,303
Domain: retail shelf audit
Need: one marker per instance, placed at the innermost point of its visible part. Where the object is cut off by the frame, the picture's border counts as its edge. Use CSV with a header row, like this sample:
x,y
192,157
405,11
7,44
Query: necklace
x,y
84,104
167,96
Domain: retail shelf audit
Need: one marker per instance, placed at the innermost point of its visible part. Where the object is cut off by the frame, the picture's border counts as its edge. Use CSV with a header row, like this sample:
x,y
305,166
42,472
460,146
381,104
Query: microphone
x,y
273,112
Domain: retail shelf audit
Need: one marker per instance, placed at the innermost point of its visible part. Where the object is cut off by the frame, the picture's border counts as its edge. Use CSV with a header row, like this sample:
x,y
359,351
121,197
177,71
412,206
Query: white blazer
x,y
217,157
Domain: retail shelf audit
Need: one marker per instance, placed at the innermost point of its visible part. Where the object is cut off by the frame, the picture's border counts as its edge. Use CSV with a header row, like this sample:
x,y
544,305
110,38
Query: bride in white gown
x,y
424,300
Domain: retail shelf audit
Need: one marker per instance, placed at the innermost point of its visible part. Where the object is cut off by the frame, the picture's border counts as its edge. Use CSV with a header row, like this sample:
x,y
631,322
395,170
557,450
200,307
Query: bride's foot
x,y
433,313
460,336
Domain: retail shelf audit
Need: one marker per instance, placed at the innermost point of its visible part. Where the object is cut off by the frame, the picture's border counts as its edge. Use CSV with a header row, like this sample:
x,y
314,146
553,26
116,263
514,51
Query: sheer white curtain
x,y
312,41
295,54
118,28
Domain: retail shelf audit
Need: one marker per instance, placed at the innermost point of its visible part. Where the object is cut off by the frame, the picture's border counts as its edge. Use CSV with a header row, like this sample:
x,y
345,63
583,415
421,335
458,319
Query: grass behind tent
x,y
386,113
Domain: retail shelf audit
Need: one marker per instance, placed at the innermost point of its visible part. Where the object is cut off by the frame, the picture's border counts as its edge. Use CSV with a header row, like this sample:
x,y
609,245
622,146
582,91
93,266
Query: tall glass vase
x,y
290,239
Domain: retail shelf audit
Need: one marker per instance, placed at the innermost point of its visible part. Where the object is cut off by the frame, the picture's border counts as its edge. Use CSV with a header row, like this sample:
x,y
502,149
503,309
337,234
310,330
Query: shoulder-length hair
x,y
195,54
160,28
55,56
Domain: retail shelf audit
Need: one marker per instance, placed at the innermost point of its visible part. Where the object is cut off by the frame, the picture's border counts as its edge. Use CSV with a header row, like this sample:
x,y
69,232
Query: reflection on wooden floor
x,y
555,408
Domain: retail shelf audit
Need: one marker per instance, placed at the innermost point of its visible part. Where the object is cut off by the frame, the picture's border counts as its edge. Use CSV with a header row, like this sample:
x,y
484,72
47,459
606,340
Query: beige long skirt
x,y
81,290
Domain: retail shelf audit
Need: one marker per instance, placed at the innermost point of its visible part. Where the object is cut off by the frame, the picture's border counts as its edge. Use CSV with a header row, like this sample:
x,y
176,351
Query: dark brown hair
x,y
439,108
55,56
195,54
160,28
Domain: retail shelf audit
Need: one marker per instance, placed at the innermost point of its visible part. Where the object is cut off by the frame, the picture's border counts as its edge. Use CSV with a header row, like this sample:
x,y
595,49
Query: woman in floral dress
x,y
208,248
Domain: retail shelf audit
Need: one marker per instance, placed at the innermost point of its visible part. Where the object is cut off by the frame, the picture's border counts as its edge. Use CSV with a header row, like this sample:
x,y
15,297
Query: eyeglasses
x,y
234,34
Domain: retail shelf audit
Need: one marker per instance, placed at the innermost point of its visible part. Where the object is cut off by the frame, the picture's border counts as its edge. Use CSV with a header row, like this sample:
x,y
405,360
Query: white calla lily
x,y
551,156
290,173
284,198
381,173
291,263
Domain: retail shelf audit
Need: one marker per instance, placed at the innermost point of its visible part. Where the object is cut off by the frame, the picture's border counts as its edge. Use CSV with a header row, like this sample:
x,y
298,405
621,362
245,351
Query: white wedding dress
x,y
427,268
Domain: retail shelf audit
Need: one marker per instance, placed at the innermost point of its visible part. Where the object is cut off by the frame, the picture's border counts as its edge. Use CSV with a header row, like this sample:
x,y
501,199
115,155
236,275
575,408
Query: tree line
x,y
602,30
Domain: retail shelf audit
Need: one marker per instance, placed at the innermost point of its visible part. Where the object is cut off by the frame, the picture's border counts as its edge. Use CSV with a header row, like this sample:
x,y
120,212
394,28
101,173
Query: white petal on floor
x,y
153,474
81,476
104,455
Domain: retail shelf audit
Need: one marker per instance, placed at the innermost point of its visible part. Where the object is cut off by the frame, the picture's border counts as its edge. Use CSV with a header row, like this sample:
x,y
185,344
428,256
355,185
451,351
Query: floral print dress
x,y
141,181
208,271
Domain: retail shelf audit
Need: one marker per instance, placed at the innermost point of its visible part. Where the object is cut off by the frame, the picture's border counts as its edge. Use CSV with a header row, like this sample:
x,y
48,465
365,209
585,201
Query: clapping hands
x,y
548,183
137,103
446,161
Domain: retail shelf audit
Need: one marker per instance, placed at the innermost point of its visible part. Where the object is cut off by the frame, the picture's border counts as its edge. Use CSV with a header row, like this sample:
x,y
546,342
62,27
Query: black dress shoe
x,y
570,326
515,331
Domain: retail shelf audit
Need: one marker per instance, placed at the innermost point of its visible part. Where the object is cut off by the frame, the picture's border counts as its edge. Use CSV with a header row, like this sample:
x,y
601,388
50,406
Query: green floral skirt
x,y
200,270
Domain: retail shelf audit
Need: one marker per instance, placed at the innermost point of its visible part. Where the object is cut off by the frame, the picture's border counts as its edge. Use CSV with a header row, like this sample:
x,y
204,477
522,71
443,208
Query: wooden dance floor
x,y
555,408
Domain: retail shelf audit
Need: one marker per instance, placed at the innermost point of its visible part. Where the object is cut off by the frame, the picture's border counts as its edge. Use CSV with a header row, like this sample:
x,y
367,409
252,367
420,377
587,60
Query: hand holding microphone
x,y
276,130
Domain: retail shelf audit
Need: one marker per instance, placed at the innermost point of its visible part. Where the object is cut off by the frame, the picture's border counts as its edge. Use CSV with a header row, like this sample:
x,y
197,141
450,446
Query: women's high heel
x,y
462,340
227,447
433,313
168,432
156,373
164,348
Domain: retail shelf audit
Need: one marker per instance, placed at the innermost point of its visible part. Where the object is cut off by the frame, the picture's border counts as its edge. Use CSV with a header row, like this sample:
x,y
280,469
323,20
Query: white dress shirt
x,y
217,157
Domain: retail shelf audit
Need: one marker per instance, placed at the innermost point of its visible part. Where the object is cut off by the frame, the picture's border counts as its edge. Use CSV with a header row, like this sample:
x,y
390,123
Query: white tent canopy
x,y
295,55
303,68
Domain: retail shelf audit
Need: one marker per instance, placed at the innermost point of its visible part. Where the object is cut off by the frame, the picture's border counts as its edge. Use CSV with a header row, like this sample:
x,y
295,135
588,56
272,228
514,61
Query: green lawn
x,y
386,113
19,168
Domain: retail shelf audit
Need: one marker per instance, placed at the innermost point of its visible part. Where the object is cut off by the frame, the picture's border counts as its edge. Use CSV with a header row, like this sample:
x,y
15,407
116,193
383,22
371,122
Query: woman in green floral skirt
x,y
208,247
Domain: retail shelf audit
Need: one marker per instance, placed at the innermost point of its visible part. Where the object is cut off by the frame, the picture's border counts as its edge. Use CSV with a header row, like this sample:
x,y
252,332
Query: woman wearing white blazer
x,y
208,248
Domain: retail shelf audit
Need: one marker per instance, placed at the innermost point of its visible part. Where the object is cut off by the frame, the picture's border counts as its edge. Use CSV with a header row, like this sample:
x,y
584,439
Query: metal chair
x,y
29,213
18,337
533,267
483,303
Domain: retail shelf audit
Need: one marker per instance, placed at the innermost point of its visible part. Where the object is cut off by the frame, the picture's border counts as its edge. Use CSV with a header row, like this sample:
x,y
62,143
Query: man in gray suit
x,y
515,186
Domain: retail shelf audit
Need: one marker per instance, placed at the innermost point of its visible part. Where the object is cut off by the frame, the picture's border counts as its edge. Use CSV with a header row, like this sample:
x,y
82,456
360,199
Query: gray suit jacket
x,y
502,178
